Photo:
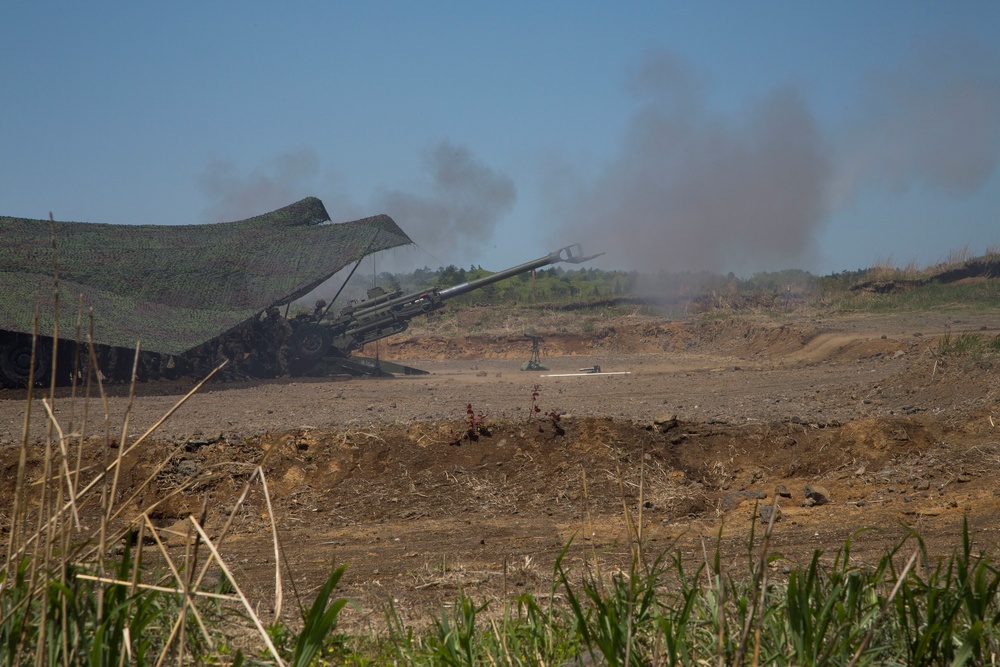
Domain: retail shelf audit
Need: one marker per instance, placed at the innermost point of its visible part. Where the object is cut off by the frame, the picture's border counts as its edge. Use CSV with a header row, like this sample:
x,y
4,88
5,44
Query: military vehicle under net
x,y
195,295
174,289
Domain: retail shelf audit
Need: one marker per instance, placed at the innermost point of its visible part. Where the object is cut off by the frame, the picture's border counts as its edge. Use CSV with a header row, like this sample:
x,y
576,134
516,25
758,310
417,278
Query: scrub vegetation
x,y
960,279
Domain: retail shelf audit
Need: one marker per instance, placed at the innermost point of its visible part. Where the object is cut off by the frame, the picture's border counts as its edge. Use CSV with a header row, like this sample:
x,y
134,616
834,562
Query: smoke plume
x,y
690,189
459,204
454,208
279,182
934,123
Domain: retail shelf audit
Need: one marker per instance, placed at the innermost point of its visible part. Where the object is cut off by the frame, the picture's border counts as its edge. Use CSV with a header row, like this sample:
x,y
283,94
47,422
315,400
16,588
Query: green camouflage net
x,y
175,287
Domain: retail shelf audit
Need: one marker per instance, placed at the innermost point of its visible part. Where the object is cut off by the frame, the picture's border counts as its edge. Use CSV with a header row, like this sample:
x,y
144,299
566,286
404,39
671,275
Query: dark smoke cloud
x,y
692,190
459,205
934,123
453,211
281,181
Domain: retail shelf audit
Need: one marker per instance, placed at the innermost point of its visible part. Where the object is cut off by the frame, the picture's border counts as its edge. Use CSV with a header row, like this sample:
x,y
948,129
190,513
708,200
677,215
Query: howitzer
x,y
331,340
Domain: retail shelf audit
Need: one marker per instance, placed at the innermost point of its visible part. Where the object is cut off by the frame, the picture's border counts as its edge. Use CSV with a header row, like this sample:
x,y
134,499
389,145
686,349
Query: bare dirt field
x,y
693,425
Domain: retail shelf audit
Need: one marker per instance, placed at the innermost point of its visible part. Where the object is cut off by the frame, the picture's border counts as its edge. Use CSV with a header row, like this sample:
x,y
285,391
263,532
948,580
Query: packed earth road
x,y
477,475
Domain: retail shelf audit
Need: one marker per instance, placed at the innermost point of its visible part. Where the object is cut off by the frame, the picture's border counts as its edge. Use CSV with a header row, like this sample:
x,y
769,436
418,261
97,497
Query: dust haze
x,y
452,207
933,123
236,195
693,189
456,206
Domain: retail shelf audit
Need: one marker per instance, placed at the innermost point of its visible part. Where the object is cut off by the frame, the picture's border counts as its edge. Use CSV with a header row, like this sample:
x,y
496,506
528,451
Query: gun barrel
x,y
385,314
572,254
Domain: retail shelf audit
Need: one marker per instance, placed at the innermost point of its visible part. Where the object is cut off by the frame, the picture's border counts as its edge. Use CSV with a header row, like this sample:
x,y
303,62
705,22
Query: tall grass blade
x,y
319,622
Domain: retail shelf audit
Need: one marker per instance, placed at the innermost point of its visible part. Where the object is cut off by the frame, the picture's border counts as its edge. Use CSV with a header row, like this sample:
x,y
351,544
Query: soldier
x,y
279,333
319,310
199,359
149,366
233,346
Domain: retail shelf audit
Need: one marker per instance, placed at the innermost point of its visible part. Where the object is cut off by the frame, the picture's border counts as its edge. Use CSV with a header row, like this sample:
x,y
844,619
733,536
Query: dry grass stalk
x,y
64,461
94,373
160,589
634,532
759,592
642,502
178,630
125,422
277,546
243,599
44,507
17,528
589,526
45,524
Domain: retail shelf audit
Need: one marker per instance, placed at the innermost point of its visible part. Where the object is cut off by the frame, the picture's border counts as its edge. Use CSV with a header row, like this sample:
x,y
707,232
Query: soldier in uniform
x,y
233,346
199,359
319,309
279,333
149,366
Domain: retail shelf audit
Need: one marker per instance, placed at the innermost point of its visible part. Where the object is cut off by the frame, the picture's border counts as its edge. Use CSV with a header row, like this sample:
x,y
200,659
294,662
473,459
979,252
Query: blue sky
x,y
727,136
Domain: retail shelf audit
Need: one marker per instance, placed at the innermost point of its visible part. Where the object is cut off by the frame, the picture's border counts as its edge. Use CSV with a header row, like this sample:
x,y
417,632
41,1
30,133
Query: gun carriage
x,y
324,344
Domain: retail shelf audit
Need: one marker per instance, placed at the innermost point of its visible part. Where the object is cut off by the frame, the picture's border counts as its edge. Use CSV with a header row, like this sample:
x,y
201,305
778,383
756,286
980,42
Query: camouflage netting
x,y
174,287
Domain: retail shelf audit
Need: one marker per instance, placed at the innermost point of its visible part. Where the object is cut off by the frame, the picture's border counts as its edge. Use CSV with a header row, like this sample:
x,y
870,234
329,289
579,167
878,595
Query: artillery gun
x,y
322,344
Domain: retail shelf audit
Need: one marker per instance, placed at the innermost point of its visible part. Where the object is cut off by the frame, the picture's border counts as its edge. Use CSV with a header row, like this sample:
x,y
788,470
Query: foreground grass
x,y
827,613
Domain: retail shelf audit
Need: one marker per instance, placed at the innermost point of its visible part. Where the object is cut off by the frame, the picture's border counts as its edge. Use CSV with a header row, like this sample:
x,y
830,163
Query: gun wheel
x,y
311,342
15,363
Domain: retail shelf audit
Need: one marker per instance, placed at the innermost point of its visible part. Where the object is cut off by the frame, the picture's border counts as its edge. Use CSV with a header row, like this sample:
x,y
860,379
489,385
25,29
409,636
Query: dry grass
x,y
79,519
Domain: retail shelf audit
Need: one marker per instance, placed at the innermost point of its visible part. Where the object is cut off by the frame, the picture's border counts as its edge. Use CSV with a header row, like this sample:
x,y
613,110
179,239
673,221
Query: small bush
x,y
968,344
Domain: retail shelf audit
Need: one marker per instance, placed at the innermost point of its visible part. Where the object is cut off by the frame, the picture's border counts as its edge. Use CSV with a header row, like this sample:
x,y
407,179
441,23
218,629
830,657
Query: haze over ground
x,y
675,136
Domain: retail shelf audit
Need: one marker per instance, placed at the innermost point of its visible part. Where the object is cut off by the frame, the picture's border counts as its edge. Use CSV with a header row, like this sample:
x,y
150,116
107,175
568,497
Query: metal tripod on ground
x,y
534,363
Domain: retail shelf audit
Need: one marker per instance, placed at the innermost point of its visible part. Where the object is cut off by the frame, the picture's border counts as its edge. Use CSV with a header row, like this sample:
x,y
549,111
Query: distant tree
x,y
452,275
422,276
489,294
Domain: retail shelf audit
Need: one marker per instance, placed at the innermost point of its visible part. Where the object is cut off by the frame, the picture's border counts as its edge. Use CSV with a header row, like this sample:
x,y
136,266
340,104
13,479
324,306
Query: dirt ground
x,y
691,426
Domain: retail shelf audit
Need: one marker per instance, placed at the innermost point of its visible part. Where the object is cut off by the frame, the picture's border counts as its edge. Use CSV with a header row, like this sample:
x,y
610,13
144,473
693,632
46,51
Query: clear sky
x,y
729,136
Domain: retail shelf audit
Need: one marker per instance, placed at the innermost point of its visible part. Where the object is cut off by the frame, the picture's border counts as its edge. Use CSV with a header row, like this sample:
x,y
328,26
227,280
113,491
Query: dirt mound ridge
x,y
984,268
394,501
735,336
